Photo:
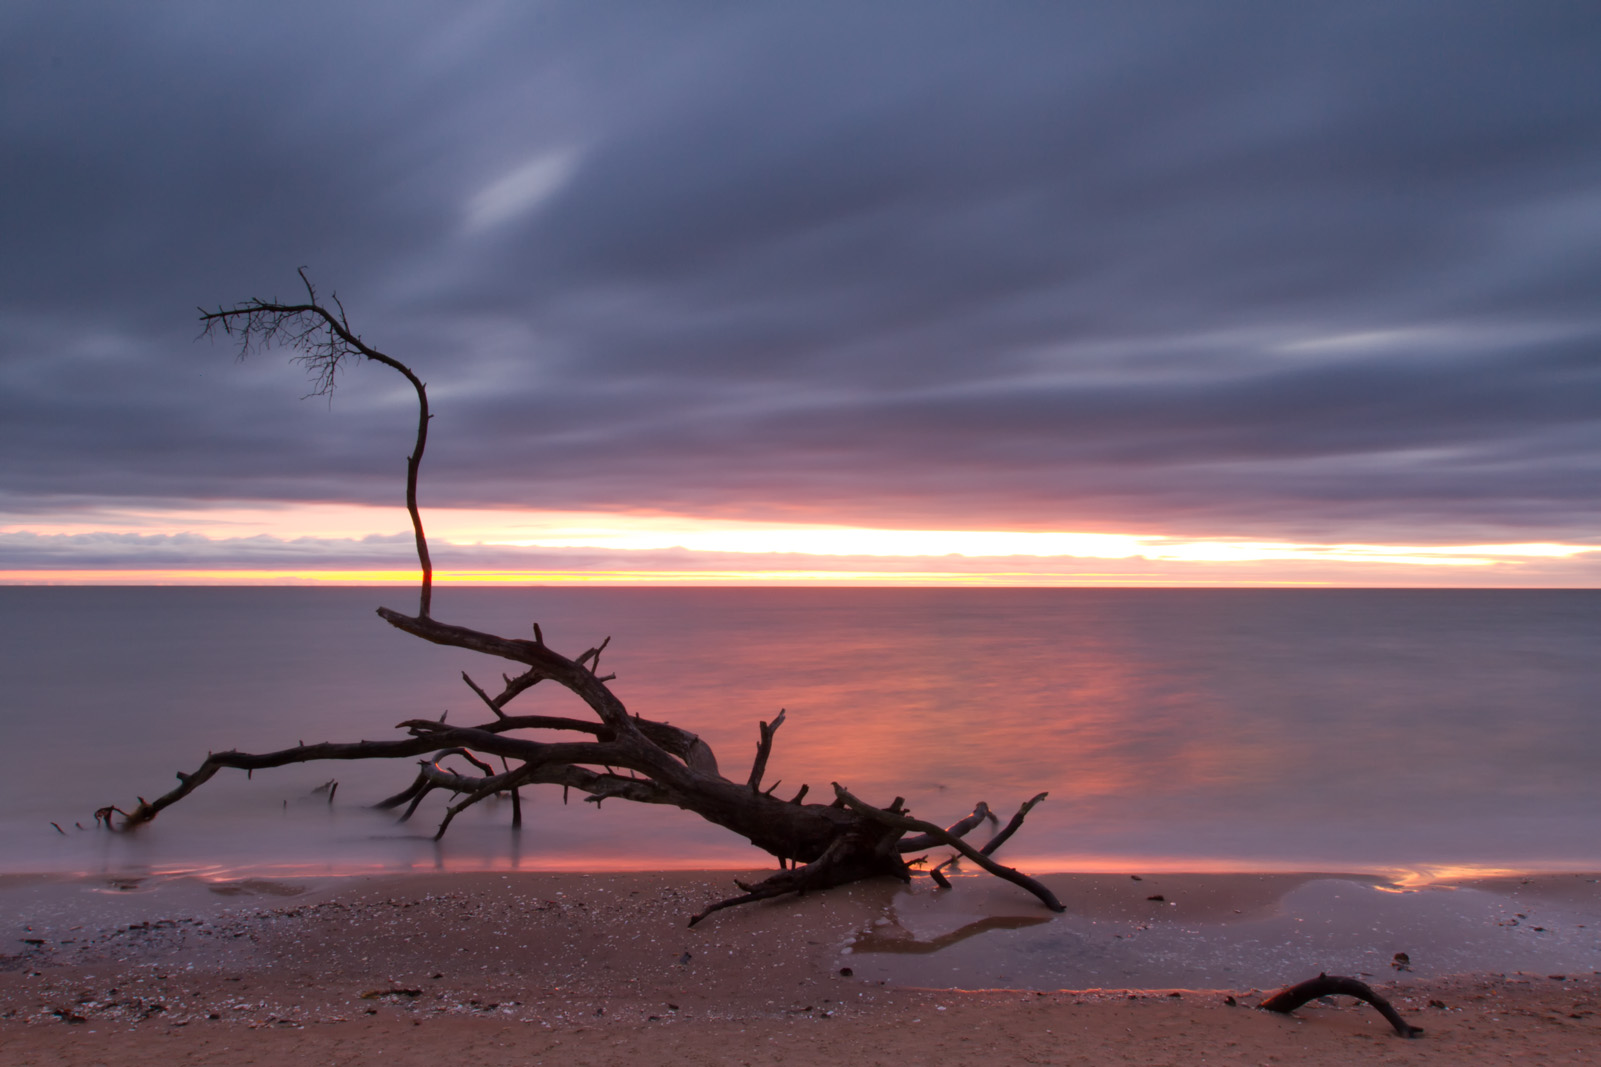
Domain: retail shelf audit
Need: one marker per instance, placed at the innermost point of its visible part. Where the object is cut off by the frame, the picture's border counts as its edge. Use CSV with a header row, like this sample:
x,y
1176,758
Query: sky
x,y
1143,293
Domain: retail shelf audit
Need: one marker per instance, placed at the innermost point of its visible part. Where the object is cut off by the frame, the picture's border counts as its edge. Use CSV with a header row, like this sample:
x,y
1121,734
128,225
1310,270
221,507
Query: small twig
x,y
482,696
960,828
591,658
468,756
1011,827
516,799
103,815
764,749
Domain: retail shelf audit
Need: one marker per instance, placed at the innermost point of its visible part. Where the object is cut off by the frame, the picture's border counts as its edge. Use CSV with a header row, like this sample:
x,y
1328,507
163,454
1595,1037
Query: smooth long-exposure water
x,y
1174,729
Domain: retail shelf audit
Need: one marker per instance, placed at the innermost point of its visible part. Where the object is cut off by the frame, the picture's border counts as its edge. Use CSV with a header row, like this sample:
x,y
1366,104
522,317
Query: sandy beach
x,y
529,968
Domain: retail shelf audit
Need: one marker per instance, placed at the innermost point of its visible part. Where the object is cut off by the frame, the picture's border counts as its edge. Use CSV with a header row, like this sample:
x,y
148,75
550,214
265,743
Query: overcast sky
x,y
1321,272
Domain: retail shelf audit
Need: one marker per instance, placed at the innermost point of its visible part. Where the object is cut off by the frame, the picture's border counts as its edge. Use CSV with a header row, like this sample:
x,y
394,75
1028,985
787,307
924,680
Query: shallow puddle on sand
x,y
1226,931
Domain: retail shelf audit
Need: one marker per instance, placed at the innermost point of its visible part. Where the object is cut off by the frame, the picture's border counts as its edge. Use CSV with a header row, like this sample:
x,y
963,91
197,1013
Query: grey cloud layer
x,y
1229,269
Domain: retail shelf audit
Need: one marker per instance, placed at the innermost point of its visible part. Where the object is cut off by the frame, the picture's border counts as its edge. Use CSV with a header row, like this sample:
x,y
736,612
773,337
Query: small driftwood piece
x,y
1326,985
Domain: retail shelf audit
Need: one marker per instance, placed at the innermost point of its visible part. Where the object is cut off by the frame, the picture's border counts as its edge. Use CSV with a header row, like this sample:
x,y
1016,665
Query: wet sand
x,y
532,968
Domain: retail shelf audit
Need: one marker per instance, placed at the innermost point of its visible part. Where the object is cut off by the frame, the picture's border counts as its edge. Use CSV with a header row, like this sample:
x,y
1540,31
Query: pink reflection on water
x,y
1173,729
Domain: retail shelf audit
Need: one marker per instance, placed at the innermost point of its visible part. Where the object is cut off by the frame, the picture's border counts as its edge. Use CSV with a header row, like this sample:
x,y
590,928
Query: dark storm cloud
x,y
1232,269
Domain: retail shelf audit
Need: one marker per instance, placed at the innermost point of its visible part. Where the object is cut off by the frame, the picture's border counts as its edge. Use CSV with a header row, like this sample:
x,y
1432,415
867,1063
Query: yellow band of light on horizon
x,y
174,576
849,548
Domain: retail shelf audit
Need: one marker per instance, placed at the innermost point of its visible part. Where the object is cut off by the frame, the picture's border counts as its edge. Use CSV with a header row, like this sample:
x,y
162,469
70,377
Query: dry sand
x,y
600,969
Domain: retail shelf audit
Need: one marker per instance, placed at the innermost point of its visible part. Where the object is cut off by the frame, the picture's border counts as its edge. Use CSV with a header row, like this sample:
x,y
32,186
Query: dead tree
x,y
615,755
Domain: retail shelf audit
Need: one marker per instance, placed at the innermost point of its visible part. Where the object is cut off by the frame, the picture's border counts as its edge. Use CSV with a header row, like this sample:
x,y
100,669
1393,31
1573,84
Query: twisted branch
x,y
325,340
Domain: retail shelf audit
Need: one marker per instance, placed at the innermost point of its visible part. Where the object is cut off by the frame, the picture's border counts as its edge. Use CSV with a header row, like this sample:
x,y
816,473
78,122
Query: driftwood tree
x,y
617,754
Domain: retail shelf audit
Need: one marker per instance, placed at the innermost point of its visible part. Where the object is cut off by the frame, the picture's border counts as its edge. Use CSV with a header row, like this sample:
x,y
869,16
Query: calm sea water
x,y
1174,729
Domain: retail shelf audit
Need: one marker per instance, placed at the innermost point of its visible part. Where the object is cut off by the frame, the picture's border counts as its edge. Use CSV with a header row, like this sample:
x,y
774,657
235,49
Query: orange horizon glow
x,y
159,576
844,554
731,857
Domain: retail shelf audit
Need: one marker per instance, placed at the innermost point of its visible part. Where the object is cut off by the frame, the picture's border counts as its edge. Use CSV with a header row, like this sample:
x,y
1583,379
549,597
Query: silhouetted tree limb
x,y
764,749
326,340
979,815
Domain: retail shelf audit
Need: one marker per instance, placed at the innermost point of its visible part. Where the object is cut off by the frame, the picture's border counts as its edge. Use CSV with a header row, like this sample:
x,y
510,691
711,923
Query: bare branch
x,y
957,829
468,756
147,810
516,799
592,657
525,681
482,695
326,343
764,748
902,822
1012,825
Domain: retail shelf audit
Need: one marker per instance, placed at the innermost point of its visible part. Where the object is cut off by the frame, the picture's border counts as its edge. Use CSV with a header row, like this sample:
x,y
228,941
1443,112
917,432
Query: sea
x,y
1418,734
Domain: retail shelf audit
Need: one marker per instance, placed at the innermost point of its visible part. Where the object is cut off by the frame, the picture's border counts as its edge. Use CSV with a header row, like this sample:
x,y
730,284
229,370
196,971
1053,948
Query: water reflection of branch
x,y
910,946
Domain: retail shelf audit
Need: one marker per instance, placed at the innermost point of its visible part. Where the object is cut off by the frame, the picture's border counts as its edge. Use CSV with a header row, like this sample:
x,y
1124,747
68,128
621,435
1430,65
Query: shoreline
x,y
519,967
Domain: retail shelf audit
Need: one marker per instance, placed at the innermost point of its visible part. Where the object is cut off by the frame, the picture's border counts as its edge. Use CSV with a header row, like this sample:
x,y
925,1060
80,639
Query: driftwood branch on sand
x,y
1289,998
614,754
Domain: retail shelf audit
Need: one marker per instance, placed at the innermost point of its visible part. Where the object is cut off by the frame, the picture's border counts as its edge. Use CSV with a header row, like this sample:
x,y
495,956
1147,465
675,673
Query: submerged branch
x,y
247,761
